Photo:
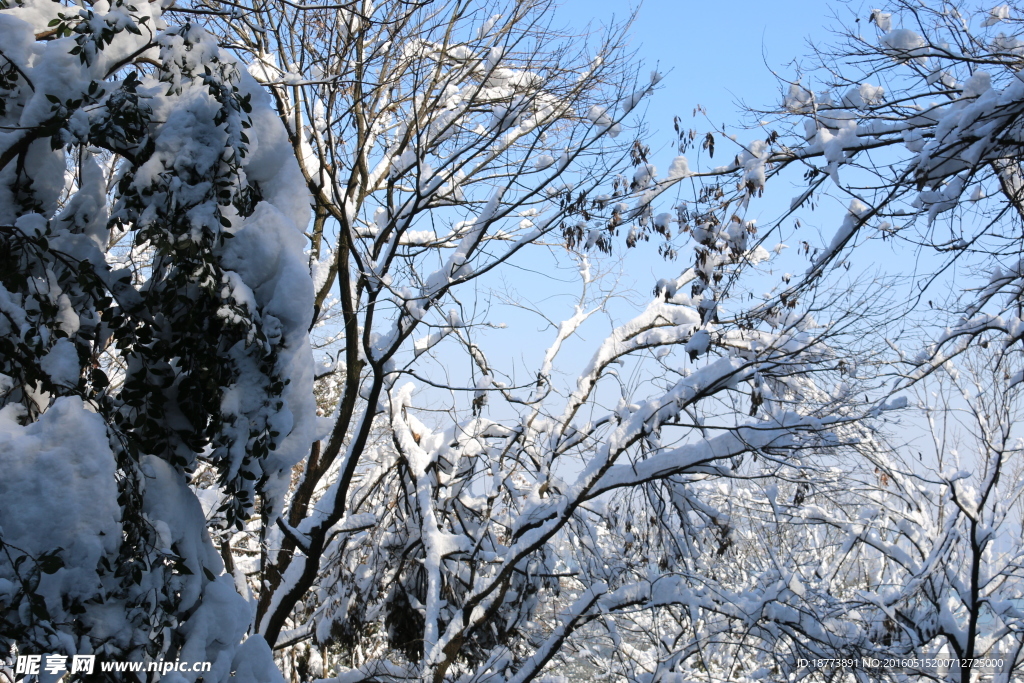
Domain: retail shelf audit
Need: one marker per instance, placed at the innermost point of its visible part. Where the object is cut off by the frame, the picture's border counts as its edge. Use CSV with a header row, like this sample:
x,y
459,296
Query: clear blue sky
x,y
716,52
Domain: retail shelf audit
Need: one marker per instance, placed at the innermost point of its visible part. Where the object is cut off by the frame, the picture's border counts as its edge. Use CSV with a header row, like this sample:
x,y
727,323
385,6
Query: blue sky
x,y
716,52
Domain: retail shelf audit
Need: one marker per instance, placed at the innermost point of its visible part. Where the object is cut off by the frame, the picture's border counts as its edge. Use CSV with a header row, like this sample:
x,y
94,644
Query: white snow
x,y
979,83
59,491
904,43
882,19
598,115
61,363
997,14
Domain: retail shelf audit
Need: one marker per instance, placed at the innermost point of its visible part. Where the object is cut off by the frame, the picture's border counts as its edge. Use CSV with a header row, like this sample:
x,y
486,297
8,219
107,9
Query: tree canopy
x,y
258,407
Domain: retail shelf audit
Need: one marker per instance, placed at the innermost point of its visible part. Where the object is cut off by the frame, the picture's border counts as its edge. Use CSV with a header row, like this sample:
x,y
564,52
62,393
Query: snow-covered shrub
x,y
154,308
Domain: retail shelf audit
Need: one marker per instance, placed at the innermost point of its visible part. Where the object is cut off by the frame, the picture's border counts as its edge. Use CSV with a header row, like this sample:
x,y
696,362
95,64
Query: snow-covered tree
x,y
154,311
896,551
935,543
911,124
185,483
440,143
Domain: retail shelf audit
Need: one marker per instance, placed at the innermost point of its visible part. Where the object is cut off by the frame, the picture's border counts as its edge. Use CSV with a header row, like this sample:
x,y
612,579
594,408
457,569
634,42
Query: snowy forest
x,y
384,341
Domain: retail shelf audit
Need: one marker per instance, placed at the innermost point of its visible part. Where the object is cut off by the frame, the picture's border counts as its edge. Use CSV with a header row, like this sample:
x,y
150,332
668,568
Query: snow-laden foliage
x,y
932,527
154,308
911,124
890,553
453,522
918,136
689,488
